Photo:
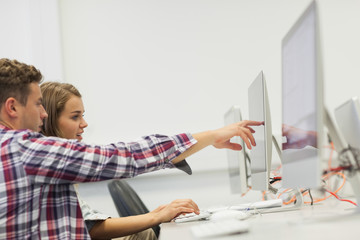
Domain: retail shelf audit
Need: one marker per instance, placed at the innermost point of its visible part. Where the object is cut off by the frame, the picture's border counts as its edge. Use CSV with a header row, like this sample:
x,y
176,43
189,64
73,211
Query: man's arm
x,y
220,138
54,160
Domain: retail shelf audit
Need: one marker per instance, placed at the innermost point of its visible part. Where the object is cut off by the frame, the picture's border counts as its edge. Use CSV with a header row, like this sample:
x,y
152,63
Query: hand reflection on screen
x,y
297,138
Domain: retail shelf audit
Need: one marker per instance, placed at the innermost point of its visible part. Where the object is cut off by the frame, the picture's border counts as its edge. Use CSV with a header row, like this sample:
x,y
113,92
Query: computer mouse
x,y
228,214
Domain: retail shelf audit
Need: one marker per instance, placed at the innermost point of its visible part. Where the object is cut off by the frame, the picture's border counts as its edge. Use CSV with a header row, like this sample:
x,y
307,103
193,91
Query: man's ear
x,y
11,106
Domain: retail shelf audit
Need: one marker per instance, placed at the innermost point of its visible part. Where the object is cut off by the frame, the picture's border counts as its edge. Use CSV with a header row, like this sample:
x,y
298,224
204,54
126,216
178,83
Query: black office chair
x,y
127,201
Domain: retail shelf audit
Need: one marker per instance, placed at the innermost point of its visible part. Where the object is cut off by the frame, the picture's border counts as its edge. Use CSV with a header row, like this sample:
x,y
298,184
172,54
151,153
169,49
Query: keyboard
x,y
259,205
214,229
205,214
188,217
249,206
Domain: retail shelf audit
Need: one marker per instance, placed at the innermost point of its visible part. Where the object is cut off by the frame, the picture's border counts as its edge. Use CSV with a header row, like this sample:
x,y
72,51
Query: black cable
x,y
312,200
272,180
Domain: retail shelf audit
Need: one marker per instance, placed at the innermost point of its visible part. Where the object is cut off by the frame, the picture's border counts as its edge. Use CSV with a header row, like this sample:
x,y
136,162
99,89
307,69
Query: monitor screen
x,y
302,103
260,155
237,165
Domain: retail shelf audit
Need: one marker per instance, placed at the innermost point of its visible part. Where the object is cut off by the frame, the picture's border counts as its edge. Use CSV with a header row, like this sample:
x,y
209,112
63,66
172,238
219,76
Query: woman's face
x,y
71,120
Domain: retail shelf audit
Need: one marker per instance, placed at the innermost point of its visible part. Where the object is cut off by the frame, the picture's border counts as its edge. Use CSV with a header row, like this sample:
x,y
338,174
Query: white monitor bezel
x,y
260,179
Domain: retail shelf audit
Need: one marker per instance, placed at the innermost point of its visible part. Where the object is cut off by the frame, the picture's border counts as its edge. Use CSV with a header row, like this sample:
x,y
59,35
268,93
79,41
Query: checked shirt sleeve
x,y
55,160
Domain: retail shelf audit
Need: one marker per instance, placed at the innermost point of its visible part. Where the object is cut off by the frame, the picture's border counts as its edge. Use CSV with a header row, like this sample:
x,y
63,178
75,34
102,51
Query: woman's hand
x,y
166,213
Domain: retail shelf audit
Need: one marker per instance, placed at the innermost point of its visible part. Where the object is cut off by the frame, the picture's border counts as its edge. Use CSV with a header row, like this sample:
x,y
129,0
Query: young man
x,y
37,198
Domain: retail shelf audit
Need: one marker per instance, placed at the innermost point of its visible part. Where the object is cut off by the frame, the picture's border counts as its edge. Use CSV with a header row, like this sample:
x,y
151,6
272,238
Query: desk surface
x,y
330,221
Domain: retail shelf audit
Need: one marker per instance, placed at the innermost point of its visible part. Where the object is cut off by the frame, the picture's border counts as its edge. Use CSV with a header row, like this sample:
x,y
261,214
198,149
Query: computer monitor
x,y
302,103
237,161
348,119
261,154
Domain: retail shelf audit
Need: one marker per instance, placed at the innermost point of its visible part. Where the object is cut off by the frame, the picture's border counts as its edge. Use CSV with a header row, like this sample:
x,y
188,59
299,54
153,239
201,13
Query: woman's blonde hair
x,y
55,96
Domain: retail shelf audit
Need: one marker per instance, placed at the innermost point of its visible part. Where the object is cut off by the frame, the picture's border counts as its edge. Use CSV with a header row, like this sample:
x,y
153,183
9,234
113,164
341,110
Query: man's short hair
x,y
15,78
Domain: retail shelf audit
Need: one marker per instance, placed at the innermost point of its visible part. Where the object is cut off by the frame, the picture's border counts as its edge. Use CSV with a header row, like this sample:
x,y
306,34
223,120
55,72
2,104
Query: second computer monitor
x,y
237,165
348,119
260,155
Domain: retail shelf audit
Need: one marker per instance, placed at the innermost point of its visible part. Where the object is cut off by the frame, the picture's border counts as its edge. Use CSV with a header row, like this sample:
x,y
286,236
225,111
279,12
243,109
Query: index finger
x,y
253,123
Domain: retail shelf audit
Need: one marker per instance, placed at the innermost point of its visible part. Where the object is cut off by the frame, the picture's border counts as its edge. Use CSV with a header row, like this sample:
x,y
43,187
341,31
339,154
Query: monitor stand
x,y
299,198
351,158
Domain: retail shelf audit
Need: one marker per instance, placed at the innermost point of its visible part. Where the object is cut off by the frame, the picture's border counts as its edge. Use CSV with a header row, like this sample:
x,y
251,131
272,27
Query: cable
x,y
274,179
337,169
326,176
249,188
291,200
312,200
344,200
305,192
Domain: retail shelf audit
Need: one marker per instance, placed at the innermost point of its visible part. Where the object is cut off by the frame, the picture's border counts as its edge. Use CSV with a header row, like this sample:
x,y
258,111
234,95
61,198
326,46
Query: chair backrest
x,y
127,201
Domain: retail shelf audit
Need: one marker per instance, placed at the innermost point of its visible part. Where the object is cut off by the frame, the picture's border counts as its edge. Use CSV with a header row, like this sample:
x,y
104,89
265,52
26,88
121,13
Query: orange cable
x,y
249,188
345,200
337,190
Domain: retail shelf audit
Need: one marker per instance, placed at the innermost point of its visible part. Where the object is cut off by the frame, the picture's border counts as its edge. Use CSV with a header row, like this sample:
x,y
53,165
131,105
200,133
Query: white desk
x,y
325,221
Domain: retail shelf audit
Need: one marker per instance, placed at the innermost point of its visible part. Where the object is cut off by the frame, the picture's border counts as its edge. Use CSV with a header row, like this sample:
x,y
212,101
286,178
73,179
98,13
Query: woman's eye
x,y
75,117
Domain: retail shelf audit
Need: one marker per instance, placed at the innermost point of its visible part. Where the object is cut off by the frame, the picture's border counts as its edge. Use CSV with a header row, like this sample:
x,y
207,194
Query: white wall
x,y
167,67
172,66
30,33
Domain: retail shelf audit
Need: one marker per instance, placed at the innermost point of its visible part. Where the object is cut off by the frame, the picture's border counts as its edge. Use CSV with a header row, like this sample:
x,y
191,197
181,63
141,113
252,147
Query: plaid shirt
x,y
37,197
